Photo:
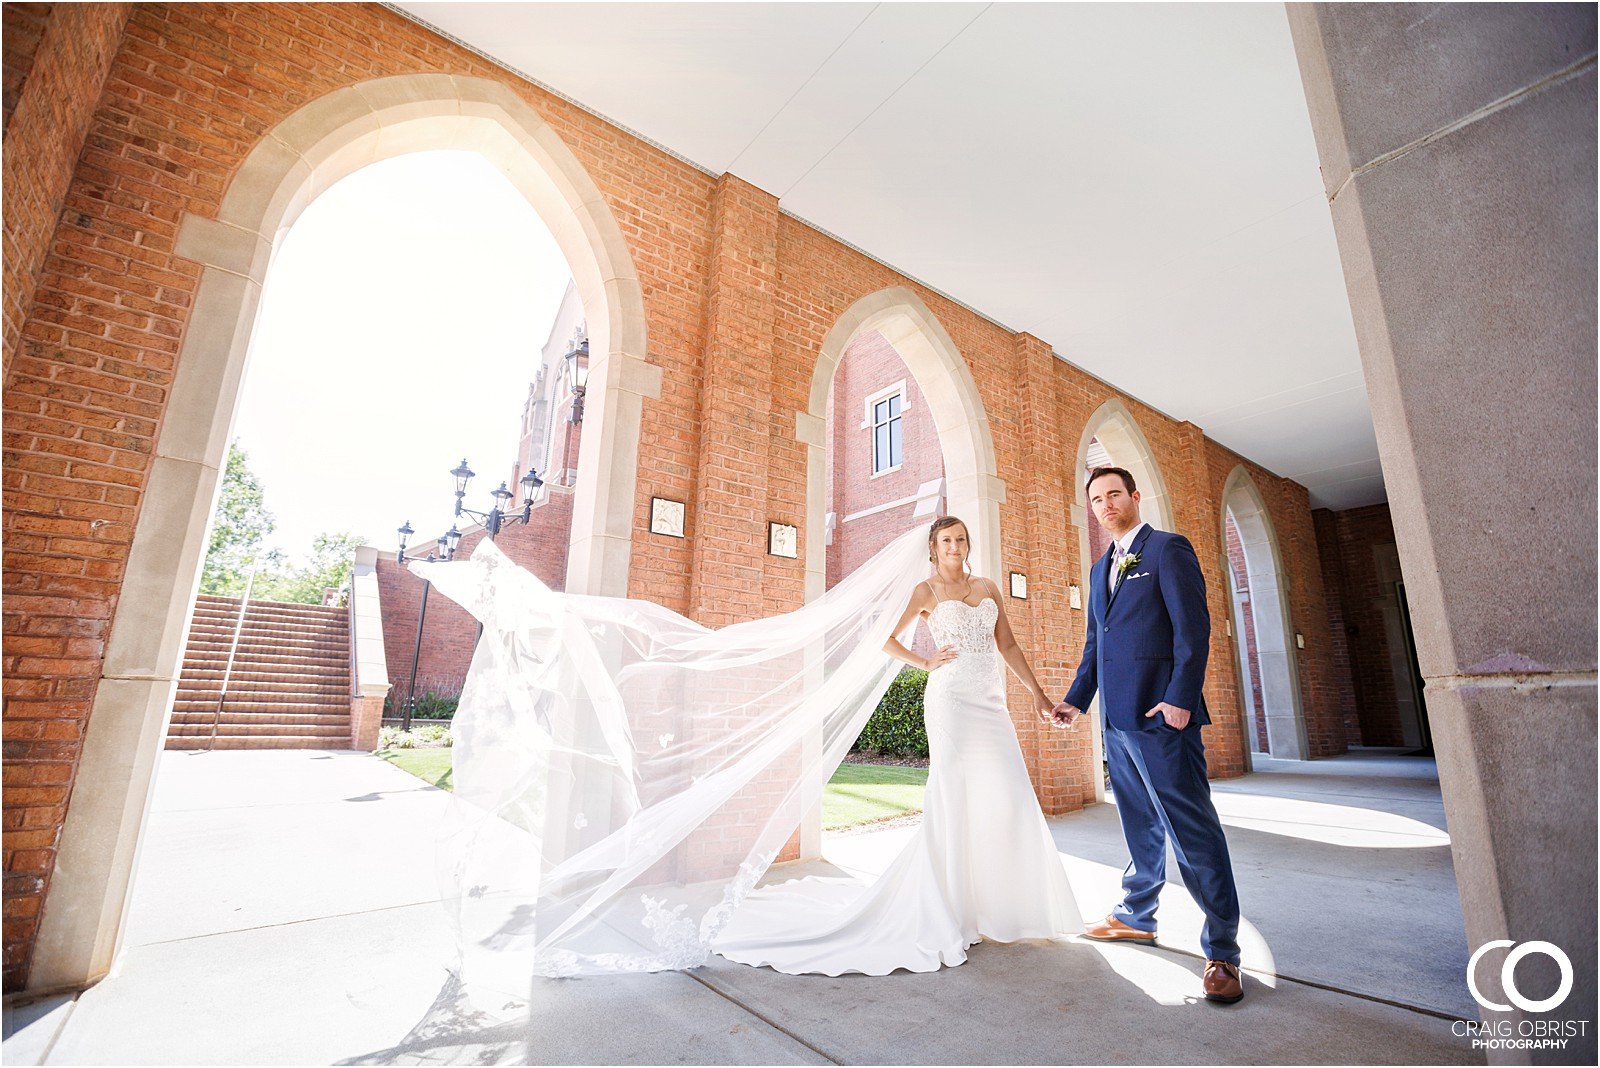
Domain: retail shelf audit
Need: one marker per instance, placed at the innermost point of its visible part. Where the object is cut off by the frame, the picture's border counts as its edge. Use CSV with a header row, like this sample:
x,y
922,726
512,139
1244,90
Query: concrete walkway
x,y
285,913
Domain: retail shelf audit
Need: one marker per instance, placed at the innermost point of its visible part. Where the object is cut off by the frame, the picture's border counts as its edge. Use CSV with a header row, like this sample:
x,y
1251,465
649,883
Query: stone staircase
x,y
290,686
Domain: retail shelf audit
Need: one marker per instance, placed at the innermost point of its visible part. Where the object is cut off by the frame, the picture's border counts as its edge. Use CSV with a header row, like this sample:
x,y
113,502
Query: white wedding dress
x,y
624,777
981,866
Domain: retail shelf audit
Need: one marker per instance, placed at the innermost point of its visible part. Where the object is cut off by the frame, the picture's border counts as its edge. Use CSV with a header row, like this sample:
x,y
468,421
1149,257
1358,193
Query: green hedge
x,y
430,705
896,727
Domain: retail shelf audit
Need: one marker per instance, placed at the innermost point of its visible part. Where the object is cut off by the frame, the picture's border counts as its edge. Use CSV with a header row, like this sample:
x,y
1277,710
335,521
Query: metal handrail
x,y
233,651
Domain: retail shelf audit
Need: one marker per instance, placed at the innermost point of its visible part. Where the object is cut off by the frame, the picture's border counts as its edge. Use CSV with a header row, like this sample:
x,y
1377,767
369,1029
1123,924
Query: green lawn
x,y
857,793
432,766
865,793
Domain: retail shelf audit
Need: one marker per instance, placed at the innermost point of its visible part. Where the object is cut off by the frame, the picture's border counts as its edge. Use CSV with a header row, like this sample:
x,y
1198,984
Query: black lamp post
x,y
497,517
579,375
499,514
446,549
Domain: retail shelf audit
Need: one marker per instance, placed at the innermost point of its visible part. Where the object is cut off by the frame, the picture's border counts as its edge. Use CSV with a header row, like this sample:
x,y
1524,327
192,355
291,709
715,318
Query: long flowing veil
x,y
623,775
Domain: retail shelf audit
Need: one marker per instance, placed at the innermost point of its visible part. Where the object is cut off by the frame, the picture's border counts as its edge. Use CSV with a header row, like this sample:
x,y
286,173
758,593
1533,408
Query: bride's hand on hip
x,y
941,658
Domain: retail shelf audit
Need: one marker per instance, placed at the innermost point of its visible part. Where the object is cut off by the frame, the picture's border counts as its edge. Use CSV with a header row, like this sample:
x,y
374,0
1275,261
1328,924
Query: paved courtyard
x,y
285,912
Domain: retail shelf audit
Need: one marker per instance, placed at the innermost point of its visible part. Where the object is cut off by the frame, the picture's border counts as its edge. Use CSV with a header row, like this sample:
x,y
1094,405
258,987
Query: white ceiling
x,y
1136,184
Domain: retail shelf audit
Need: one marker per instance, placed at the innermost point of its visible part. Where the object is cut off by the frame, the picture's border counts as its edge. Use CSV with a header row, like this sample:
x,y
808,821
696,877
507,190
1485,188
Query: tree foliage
x,y
332,559
239,529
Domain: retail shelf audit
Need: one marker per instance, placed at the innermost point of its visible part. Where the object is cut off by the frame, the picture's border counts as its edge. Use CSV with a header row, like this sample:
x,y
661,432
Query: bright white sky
x,y
400,326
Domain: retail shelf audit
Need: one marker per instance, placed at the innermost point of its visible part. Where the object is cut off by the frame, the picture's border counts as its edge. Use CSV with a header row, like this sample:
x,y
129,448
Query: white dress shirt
x,y
1118,551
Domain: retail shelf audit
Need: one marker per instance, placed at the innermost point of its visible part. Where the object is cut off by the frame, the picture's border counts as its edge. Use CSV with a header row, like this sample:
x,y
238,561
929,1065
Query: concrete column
x,y
1458,152
369,664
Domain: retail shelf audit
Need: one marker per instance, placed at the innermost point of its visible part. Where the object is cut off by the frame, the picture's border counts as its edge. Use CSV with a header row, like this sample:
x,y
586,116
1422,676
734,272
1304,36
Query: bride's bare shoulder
x,y
922,595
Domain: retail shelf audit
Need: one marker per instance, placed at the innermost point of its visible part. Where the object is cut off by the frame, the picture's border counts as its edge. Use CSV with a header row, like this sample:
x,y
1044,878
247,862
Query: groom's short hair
x,y
1101,472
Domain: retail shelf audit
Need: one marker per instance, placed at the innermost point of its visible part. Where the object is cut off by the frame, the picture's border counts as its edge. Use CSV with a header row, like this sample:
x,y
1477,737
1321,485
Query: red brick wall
x,y
449,631
24,26
59,62
731,503
73,451
1061,763
737,299
1332,561
1254,708
1349,554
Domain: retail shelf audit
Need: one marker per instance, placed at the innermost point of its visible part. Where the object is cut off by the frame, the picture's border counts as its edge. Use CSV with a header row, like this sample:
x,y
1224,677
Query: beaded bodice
x,y
970,628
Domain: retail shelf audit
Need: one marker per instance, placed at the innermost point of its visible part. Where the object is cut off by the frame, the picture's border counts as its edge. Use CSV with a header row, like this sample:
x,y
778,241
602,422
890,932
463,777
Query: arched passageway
x,y
306,153
973,489
1262,632
1112,438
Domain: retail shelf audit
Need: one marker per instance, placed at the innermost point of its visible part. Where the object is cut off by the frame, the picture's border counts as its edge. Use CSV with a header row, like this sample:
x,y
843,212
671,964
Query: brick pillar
x,y
1331,560
1195,515
730,529
730,524
1306,598
1061,761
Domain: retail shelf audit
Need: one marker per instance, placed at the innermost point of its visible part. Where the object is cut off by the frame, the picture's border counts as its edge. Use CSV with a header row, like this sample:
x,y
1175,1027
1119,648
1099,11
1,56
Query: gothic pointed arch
x,y
1271,627
973,490
288,167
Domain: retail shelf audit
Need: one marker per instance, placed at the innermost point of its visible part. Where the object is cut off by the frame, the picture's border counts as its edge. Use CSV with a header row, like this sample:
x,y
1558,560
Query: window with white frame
x,y
884,412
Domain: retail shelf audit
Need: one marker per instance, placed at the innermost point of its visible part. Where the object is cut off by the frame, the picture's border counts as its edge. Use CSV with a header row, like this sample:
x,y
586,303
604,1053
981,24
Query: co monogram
x,y
1508,975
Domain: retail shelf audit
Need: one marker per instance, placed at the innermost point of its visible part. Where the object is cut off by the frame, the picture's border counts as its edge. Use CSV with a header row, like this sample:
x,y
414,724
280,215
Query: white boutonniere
x,y
1129,562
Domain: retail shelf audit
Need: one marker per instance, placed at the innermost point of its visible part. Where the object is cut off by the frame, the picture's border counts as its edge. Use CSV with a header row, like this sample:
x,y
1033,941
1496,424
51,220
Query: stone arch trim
x,y
973,485
1119,432
1281,699
338,134
316,146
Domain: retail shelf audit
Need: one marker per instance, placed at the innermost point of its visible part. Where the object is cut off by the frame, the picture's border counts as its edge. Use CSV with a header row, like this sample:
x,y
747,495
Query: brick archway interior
x,y
294,162
1271,634
973,489
1113,426
1246,656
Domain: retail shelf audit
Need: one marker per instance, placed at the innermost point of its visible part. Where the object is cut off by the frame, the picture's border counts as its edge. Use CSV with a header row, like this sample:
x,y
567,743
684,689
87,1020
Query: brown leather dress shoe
x,y
1222,982
1112,929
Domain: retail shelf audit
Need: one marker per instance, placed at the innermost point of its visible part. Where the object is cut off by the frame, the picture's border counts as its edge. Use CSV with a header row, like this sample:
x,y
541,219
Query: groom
x,y
1149,635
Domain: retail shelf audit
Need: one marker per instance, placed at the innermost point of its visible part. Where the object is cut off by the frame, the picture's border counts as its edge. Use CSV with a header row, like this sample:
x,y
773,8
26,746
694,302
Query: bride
x,y
623,777
983,864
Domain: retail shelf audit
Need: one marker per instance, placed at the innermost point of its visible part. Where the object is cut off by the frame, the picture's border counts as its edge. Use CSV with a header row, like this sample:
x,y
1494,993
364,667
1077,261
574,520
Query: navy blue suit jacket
x,y
1149,641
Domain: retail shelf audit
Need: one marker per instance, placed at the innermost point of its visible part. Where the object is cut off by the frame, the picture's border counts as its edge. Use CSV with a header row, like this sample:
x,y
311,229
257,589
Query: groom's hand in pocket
x,y
1177,718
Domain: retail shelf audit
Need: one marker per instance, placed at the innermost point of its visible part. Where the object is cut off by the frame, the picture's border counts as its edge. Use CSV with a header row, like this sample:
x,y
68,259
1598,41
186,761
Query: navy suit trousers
x,y
1159,777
